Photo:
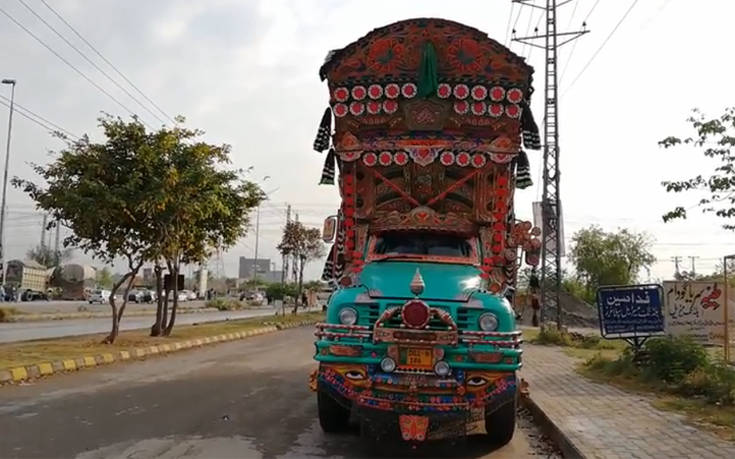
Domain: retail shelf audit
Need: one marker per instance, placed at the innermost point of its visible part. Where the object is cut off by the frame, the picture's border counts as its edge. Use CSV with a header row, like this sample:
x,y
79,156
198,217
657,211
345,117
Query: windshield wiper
x,y
398,256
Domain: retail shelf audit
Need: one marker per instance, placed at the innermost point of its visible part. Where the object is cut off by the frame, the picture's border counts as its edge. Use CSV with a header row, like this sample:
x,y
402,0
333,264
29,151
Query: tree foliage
x,y
48,257
304,244
144,196
715,137
613,258
103,278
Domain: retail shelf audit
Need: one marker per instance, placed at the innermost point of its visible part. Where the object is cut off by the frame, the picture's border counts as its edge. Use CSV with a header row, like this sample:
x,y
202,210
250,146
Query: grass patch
x,y
6,313
30,352
684,376
550,335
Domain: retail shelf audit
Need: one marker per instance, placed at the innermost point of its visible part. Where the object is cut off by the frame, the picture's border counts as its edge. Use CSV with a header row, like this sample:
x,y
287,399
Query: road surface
x,y
23,331
241,399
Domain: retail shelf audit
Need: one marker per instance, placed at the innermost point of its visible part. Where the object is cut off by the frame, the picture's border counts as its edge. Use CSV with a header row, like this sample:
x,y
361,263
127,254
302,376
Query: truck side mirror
x,y
329,231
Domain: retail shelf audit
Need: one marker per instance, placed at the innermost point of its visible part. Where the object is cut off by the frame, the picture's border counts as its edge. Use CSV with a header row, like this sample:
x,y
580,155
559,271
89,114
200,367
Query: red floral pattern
x,y
408,90
392,91
513,111
497,93
340,110
478,160
390,106
359,92
447,158
465,55
515,95
341,94
478,108
495,110
444,91
463,159
384,55
373,107
479,92
375,91
401,158
357,108
385,158
370,159
461,91
461,107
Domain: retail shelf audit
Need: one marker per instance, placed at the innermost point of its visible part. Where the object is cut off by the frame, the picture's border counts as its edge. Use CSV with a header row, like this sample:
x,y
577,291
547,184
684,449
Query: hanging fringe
x,y
328,169
523,171
531,139
321,142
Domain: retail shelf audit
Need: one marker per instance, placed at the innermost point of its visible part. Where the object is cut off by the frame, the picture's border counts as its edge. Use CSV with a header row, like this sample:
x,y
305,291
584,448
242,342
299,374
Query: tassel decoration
x,y
531,139
328,169
321,142
523,171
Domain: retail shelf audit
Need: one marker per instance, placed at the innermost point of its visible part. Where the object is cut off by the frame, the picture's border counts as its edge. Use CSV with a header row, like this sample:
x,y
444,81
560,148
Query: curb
x,y
37,370
562,440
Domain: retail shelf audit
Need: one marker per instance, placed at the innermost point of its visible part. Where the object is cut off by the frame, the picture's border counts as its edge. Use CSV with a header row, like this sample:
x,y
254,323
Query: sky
x,y
246,72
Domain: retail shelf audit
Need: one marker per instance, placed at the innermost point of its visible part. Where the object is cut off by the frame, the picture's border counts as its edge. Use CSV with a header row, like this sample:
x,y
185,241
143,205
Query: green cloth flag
x,y
428,80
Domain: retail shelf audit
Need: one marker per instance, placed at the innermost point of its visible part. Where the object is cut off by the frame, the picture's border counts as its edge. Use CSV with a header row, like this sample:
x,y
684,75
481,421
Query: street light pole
x,y
5,180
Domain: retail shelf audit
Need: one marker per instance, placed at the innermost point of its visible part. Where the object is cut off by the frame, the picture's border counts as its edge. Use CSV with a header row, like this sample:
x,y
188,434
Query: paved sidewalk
x,y
602,421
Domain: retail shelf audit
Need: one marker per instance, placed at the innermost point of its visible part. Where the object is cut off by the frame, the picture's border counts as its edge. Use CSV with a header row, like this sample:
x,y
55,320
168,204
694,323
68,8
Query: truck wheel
x,y
333,417
501,423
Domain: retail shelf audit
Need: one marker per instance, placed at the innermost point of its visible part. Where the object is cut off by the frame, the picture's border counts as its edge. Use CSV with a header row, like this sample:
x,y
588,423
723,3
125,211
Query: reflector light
x,y
415,314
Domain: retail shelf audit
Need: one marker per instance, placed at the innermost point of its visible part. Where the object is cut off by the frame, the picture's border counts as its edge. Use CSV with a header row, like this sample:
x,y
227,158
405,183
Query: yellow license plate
x,y
419,358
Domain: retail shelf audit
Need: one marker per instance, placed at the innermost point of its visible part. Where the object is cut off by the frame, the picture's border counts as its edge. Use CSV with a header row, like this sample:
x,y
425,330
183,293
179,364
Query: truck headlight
x,y
388,365
442,368
347,316
488,322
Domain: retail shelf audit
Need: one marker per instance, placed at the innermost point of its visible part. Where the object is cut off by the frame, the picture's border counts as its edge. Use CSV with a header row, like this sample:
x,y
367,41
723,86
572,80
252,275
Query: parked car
x,y
182,296
33,295
149,296
136,296
190,295
99,296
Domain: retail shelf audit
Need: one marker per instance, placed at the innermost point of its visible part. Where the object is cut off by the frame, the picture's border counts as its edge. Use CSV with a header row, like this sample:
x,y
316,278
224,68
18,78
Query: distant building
x,y
248,267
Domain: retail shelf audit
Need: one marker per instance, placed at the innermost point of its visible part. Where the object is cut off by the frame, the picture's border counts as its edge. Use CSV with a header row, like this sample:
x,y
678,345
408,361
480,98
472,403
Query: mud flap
x,y
413,428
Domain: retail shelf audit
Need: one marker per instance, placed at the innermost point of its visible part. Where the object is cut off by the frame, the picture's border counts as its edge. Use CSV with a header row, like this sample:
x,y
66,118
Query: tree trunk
x,y
174,278
157,327
301,284
113,306
125,296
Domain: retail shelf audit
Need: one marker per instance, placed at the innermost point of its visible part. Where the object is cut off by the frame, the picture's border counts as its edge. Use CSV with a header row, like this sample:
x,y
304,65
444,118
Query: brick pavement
x,y
602,421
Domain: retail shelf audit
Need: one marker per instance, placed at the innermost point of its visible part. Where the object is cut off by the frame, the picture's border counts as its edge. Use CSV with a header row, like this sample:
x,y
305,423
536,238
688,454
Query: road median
x,y
30,360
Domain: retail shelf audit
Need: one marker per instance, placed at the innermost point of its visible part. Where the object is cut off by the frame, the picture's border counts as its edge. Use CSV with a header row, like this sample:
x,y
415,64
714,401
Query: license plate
x,y
418,357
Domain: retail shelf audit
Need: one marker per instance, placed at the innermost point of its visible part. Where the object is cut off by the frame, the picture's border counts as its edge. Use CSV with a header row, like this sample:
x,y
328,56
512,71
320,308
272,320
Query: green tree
x,y
200,203
46,256
715,137
304,244
603,258
102,192
103,277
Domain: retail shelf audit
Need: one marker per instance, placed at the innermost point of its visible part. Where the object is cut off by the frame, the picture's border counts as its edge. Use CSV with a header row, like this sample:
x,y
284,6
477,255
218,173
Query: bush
x,y
672,359
551,335
7,313
224,304
714,381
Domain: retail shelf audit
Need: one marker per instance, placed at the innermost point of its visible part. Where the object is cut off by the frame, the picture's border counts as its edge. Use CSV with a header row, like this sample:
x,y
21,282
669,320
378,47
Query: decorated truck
x,y
430,118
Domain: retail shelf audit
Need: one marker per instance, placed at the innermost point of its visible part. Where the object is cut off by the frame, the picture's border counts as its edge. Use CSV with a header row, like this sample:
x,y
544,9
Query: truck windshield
x,y
422,244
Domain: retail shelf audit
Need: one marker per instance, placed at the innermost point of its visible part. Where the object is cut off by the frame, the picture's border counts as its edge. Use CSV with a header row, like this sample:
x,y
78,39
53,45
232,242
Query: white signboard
x,y
696,309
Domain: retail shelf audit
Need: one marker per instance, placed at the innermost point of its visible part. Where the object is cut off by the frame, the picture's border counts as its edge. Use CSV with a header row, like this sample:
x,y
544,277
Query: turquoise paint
x,y
444,281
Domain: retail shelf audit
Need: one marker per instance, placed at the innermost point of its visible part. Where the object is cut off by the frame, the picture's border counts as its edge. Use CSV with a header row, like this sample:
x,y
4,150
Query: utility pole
x,y
5,178
284,258
57,253
676,261
43,232
257,237
694,269
295,260
551,250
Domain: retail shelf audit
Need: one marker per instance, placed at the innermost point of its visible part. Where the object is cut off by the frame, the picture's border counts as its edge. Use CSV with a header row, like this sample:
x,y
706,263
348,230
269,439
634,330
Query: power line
x,y
47,122
507,27
40,123
589,13
91,62
58,15
594,55
64,60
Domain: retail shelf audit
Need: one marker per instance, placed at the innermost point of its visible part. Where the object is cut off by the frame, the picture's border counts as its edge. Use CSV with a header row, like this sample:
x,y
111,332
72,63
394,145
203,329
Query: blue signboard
x,y
630,311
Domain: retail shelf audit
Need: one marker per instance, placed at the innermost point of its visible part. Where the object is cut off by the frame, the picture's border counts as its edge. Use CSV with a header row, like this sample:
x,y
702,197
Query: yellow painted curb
x,y
45,368
19,373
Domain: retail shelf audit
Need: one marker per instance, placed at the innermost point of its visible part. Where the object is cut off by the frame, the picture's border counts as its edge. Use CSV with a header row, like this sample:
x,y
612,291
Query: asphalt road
x,y
23,331
241,399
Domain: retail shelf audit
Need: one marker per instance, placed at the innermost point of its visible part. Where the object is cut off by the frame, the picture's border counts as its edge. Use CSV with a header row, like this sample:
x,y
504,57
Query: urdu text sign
x,y
696,310
630,311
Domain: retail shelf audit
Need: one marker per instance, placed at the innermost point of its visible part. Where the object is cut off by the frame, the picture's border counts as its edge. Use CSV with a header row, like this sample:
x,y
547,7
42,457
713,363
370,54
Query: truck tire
x,y
501,423
333,417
